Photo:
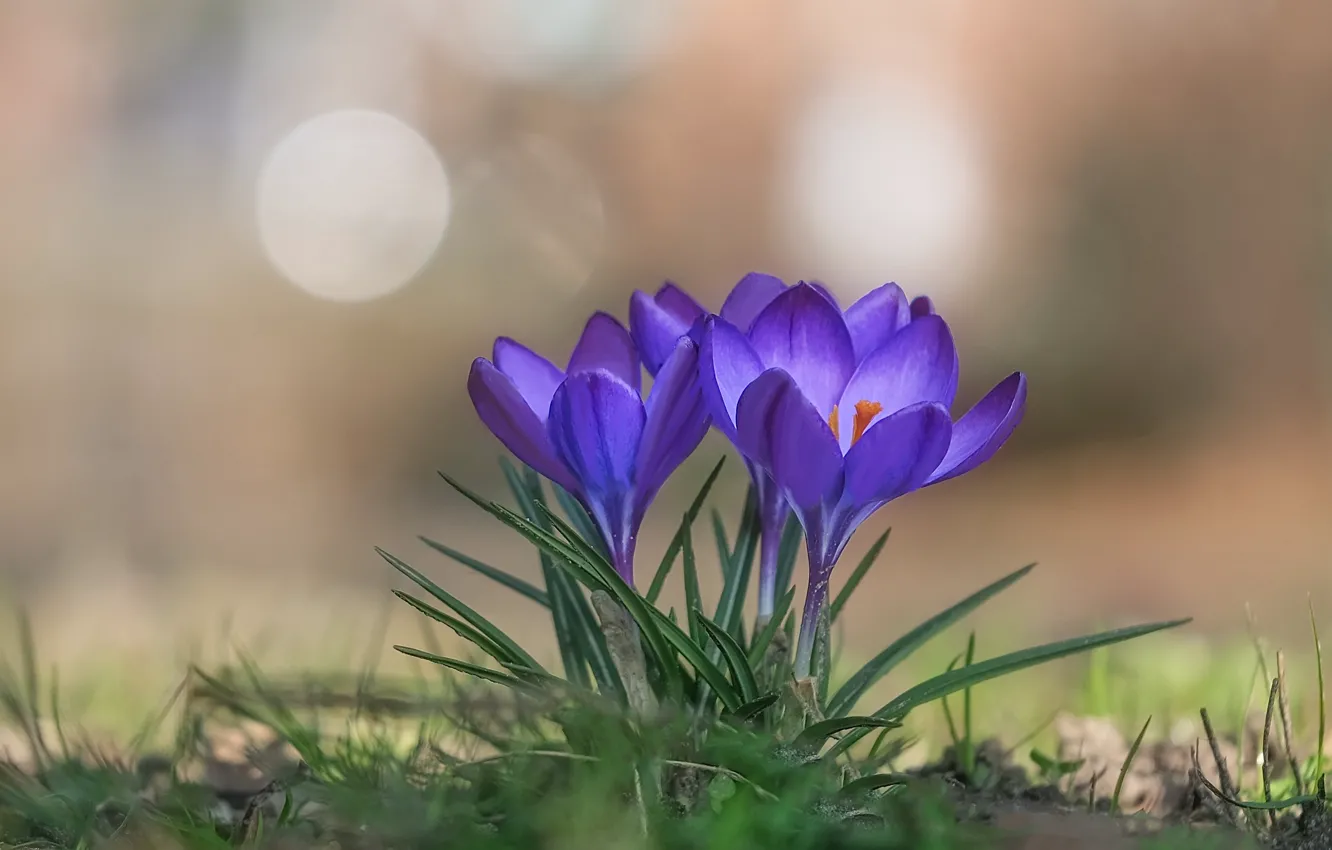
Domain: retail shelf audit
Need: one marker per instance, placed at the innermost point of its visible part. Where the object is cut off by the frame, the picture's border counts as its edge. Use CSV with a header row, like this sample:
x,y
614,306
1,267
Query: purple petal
x,y
605,344
898,454
727,365
677,420
802,333
596,423
878,315
748,298
984,428
919,363
657,322
534,376
825,292
506,413
922,306
781,431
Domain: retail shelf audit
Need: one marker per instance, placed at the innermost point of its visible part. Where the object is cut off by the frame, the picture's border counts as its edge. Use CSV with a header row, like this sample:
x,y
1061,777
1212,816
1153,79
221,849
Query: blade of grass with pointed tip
x,y
512,582
693,598
811,739
721,540
578,518
751,709
1128,763
480,623
731,603
459,628
880,665
668,559
477,671
741,672
1322,696
982,671
758,650
582,643
576,645
865,784
697,658
858,574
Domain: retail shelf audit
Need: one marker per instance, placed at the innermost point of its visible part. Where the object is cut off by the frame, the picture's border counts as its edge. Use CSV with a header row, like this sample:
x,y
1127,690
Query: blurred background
x,y
249,248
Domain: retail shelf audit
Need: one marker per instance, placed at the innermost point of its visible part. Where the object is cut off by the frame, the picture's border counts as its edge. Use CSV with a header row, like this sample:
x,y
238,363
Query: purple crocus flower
x,y
658,321
587,427
847,412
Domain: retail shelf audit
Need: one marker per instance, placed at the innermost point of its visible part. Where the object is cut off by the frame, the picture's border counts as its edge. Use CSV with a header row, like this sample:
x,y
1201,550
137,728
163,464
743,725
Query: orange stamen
x,y
832,421
865,413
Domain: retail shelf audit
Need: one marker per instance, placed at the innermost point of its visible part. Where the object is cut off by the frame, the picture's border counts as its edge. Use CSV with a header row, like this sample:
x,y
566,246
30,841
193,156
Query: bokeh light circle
x,y
884,181
352,204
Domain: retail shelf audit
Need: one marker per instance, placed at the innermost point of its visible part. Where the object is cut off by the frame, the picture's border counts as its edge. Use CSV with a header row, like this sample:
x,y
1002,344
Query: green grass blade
x,y
751,709
880,665
1128,763
698,659
758,649
968,741
484,673
480,623
723,543
1322,696
731,604
579,646
668,559
811,740
853,581
693,598
578,518
510,581
982,671
741,671
459,628
865,784
787,552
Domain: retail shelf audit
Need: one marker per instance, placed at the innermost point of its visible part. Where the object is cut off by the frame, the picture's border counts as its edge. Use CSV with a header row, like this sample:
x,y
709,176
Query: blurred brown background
x,y
1132,201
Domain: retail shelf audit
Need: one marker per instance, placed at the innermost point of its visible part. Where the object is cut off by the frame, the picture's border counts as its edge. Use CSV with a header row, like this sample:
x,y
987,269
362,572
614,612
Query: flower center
x,y
865,413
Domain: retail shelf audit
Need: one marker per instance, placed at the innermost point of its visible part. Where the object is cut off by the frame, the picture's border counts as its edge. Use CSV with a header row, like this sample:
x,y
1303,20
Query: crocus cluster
x,y
835,412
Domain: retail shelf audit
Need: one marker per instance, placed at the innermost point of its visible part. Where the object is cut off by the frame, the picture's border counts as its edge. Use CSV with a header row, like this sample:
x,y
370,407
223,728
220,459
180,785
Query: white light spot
x,y
884,183
352,204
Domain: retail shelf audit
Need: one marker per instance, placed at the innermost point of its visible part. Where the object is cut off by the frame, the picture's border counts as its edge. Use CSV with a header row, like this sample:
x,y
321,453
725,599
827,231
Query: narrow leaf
x,y
480,623
751,709
741,672
853,580
512,582
956,680
484,673
668,559
693,598
731,604
880,665
787,551
866,784
811,739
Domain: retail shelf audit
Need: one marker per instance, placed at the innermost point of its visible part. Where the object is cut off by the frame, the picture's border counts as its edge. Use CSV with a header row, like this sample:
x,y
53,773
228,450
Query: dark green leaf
x,y
577,517
579,648
470,669
866,784
879,666
982,671
668,560
741,672
751,709
811,739
731,604
512,582
693,598
853,580
459,628
480,623
697,658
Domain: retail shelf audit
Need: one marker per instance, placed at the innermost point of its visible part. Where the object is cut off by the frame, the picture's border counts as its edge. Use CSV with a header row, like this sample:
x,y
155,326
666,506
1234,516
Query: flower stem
x,y
809,627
